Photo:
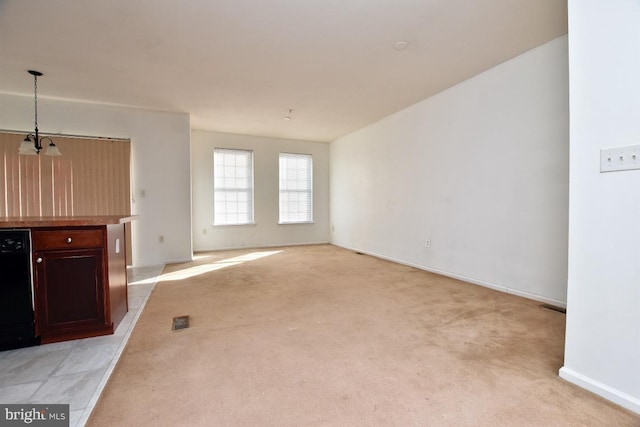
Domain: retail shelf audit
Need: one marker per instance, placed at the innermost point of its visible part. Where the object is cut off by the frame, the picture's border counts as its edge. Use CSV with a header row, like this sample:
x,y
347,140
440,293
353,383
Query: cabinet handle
x,y
39,260
69,240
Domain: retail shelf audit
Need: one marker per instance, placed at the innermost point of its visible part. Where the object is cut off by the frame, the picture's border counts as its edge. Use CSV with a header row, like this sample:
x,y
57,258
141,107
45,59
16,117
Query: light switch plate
x,y
620,158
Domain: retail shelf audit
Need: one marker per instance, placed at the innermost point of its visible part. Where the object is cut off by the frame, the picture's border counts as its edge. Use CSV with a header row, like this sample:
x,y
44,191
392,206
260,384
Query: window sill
x,y
295,223
244,224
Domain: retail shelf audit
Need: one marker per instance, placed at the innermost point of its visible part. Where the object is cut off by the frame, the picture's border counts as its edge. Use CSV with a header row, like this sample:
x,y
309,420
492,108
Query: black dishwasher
x,y
16,303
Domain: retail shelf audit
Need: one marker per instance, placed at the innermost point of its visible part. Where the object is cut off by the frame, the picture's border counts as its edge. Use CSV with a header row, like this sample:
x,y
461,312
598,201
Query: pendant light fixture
x,y
32,144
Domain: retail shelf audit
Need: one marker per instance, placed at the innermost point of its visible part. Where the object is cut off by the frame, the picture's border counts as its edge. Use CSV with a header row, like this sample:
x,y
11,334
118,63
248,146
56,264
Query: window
x,y
296,188
233,187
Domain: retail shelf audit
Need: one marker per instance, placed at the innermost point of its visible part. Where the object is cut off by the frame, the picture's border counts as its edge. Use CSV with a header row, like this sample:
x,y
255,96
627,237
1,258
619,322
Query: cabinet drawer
x,y
66,239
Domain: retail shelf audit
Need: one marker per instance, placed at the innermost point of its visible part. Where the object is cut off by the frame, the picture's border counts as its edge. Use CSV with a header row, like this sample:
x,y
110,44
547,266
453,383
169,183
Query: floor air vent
x,y
181,322
554,308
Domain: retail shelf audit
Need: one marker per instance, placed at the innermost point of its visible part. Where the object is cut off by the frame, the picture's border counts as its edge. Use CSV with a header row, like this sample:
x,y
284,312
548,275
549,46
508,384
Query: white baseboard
x,y
178,260
489,285
616,396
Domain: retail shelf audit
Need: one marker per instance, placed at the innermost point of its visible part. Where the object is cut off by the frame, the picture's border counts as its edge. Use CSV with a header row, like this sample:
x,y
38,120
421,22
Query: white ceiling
x,y
239,65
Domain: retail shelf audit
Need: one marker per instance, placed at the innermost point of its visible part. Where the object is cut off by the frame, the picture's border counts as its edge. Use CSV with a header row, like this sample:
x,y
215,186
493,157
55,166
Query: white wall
x,y
481,170
159,144
266,231
602,347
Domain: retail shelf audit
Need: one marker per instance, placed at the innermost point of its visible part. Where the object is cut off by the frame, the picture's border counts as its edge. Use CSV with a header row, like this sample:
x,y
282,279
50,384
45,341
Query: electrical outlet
x,y
161,239
427,243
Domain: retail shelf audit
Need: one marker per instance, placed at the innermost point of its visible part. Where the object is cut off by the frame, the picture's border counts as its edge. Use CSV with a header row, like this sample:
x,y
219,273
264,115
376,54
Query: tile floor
x,y
73,372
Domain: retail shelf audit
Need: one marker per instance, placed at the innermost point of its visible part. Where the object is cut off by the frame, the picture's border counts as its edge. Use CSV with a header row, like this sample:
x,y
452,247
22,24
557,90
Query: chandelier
x,y
32,144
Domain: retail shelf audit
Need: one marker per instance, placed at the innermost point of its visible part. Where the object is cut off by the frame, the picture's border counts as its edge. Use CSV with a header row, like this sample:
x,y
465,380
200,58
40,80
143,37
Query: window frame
x,y
308,191
250,190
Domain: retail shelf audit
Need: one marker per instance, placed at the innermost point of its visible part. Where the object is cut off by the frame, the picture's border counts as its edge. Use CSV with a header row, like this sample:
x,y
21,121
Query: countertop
x,y
63,221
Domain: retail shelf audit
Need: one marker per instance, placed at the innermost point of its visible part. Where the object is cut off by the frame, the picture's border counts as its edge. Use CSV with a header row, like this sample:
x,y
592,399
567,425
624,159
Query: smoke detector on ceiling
x,y
288,116
400,45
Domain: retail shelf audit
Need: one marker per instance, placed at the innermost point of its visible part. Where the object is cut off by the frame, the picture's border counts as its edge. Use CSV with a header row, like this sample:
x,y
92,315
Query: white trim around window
x,y
296,189
233,187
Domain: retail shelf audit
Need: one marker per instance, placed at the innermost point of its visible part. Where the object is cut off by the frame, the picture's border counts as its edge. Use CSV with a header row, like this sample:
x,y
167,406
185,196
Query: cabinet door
x,y
71,298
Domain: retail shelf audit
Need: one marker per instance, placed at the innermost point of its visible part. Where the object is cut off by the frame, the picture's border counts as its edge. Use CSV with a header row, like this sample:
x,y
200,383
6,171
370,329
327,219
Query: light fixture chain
x,y
35,97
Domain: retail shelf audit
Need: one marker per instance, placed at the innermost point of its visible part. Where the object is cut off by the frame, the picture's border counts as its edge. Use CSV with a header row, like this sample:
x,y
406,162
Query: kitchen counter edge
x,y
63,221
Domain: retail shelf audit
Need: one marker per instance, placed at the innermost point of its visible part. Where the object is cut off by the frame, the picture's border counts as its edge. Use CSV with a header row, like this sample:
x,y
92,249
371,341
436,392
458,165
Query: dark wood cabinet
x,y
79,280
79,274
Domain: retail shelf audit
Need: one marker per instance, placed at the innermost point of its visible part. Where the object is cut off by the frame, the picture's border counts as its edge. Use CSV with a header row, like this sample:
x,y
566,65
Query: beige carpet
x,y
319,335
